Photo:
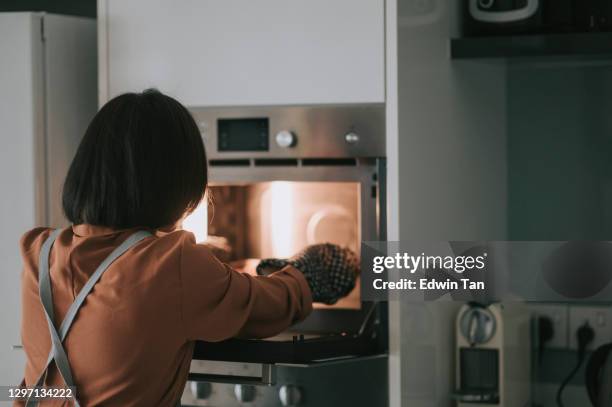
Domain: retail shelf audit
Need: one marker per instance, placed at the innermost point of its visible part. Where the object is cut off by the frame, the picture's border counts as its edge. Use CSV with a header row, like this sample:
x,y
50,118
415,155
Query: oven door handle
x,y
267,377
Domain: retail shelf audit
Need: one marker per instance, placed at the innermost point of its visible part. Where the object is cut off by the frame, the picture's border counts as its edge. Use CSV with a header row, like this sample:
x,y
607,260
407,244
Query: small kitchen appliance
x,y
511,17
493,355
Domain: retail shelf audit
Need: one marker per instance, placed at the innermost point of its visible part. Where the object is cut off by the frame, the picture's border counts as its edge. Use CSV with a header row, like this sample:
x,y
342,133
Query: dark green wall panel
x,y
560,153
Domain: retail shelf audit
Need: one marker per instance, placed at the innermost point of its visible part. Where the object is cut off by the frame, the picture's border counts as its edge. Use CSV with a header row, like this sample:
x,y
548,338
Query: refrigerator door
x,y
21,168
48,95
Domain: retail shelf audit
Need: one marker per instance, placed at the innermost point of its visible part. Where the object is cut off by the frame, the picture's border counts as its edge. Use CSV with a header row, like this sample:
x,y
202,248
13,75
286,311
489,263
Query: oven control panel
x,y
255,132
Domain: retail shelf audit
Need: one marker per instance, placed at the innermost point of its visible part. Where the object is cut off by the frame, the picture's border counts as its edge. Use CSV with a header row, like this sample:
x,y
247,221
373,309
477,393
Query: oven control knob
x,y
290,395
286,139
244,393
200,390
351,138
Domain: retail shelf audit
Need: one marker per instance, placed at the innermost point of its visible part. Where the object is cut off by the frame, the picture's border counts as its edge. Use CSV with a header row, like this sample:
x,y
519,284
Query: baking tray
x,y
298,349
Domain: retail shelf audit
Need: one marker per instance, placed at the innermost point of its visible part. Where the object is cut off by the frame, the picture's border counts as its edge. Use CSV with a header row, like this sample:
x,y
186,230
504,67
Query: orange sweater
x,y
132,340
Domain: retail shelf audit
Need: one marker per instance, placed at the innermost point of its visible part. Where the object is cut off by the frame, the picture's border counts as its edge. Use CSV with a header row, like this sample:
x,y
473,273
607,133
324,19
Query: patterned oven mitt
x,y
330,270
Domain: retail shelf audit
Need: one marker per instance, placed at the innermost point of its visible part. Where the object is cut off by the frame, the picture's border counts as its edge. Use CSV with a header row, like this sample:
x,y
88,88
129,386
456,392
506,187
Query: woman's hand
x,y
330,270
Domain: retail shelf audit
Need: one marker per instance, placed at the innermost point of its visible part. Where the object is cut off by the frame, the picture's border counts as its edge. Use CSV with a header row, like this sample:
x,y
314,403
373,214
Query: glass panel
x,y
278,219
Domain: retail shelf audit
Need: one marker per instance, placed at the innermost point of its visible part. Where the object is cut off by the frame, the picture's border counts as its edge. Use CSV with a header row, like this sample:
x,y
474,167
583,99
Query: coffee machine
x,y
493,355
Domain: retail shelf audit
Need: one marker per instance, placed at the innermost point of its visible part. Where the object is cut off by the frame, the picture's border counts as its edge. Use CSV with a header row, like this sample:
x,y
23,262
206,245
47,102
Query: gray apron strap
x,y
57,352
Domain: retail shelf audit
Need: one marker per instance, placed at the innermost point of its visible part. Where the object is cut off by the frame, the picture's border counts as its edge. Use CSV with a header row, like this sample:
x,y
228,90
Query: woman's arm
x,y
220,303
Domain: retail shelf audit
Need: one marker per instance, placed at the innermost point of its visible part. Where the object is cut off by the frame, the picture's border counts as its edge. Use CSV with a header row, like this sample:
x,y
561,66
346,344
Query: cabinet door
x,y
238,52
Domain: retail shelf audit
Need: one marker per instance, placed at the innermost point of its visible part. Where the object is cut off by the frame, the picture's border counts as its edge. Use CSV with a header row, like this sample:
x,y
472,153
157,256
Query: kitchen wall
x,y
559,144
452,177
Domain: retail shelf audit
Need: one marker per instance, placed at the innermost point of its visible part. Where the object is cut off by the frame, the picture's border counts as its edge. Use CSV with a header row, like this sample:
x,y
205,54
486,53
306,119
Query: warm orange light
x,y
281,218
197,222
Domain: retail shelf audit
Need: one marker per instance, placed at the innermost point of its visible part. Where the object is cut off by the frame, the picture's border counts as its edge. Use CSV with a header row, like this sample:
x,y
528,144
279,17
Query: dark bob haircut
x,y
140,164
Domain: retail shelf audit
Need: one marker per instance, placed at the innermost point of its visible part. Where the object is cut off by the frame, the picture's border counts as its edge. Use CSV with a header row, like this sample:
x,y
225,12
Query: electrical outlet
x,y
599,318
559,316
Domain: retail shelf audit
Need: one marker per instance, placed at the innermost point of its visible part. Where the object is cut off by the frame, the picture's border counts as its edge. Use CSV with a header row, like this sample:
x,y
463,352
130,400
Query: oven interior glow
x,y
281,224
197,222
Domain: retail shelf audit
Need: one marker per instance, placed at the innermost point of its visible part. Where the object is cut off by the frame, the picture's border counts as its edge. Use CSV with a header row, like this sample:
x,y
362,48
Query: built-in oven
x,y
283,178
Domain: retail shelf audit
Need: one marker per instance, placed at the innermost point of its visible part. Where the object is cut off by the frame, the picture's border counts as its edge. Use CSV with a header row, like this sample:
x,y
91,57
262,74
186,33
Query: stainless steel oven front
x,y
283,178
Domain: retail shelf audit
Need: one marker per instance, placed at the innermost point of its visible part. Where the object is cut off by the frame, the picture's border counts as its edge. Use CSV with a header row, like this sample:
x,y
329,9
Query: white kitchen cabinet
x,y
47,98
237,52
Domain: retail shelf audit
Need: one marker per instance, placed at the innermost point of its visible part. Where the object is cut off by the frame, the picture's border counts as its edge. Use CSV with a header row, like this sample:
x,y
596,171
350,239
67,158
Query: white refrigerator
x,y
48,95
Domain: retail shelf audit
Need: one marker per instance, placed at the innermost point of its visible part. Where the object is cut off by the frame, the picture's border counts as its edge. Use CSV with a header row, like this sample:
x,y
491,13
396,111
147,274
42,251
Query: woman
x,y
128,341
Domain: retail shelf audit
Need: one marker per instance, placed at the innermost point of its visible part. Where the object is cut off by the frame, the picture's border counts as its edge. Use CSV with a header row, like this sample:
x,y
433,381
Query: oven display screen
x,y
243,134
